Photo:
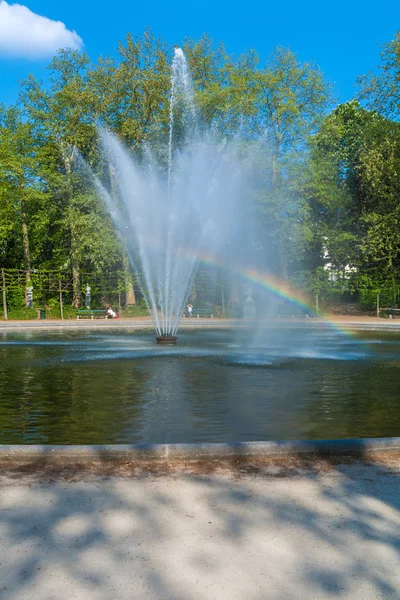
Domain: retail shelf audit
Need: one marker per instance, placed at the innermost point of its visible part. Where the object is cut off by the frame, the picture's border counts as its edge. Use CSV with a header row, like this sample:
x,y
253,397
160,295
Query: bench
x,y
390,310
201,312
90,313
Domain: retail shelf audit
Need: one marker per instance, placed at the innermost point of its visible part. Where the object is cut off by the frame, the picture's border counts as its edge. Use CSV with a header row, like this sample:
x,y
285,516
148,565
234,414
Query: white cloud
x,y
25,34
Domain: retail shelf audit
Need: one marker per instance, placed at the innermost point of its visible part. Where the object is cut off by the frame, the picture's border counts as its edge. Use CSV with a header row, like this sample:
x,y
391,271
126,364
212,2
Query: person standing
x,y
189,309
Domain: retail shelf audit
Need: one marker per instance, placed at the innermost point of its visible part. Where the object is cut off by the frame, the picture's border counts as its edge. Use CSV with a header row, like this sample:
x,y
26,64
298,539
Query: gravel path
x,y
297,533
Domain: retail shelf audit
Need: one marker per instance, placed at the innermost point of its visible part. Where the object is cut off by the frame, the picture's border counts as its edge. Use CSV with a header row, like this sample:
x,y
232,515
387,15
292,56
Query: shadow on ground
x,y
242,529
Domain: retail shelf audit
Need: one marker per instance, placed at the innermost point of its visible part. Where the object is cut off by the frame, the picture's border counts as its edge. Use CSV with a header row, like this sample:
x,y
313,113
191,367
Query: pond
x,y
216,385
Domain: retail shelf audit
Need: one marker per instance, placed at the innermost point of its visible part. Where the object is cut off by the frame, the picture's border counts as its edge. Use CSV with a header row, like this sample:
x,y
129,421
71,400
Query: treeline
x,y
329,192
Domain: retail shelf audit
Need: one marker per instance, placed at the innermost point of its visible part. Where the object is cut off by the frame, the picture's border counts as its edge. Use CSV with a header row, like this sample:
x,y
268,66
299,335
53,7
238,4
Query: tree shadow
x,y
255,530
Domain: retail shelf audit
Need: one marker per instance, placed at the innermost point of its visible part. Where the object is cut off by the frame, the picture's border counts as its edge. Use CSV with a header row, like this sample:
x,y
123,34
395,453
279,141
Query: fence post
x,y
3,275
61,300
377,305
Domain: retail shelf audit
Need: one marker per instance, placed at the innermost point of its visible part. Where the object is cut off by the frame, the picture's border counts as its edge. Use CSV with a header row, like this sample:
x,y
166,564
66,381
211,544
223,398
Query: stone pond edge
x,y
199,451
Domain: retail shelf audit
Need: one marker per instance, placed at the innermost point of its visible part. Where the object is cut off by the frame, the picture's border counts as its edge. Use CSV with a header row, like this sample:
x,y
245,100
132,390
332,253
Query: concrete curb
x,y
170,452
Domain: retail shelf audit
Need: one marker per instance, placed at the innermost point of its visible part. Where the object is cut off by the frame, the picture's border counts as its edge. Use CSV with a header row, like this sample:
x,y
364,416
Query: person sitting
x,y
111,313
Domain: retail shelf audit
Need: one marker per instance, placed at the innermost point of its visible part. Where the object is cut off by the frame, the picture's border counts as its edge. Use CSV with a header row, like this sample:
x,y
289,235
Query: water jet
x,y
172,210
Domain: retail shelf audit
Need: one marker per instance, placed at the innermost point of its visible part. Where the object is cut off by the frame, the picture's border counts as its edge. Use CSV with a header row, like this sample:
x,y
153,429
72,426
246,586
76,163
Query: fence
x,y
46,285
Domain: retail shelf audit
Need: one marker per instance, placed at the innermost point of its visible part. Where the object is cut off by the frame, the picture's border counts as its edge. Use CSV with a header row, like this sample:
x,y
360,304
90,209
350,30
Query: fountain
x,y
170,212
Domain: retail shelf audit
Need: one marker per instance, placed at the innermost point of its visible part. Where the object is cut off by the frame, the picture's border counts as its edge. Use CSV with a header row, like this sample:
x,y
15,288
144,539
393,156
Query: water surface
x,y
299,382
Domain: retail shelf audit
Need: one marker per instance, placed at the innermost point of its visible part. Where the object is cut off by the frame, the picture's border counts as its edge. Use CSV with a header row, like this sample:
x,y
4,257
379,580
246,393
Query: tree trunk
x,y
130,292
76,278
3,277
284,269
234,296
193,293
129,289
27,253
274,169
275,157
25,241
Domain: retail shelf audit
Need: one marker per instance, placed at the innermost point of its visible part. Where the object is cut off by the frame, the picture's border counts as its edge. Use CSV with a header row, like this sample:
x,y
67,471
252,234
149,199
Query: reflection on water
x,y
215,385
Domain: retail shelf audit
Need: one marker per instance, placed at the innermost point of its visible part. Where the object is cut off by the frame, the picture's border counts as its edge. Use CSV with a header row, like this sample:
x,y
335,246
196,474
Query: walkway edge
x,y
170,452
146,324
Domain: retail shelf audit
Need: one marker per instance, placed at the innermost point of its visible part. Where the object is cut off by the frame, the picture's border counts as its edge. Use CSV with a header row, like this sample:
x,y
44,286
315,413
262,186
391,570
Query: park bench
x,y
392,312
85,314
201,312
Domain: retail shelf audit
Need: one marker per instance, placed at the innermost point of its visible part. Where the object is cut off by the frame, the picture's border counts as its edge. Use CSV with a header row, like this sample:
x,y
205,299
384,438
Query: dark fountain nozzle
x,y
166,339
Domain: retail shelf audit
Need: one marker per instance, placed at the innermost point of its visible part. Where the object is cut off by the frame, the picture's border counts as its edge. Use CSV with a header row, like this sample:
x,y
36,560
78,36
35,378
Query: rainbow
x,y
280,288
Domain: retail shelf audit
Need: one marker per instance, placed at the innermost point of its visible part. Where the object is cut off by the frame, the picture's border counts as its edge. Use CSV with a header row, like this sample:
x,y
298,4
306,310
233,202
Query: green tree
x,y
381,89
209,68
130,94
281,102
352,189
22,190
62,116
62,119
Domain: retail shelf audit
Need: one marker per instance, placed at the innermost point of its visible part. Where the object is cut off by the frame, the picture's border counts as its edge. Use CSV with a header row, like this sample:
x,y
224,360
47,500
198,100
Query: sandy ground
x,y
246,531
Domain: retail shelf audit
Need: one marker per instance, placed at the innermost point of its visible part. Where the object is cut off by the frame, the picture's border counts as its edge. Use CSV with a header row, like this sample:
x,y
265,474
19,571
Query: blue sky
x,y
342,36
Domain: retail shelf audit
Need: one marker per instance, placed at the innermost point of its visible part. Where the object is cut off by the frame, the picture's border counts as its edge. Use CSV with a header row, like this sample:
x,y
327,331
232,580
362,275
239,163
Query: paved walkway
x,y
310,535
146,323
135,323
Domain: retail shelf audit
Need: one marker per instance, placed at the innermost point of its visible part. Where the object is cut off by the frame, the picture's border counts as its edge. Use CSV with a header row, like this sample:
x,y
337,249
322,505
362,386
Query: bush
x,y
16,298
204,304
53,310
22,314
234,311
368,299
134,310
